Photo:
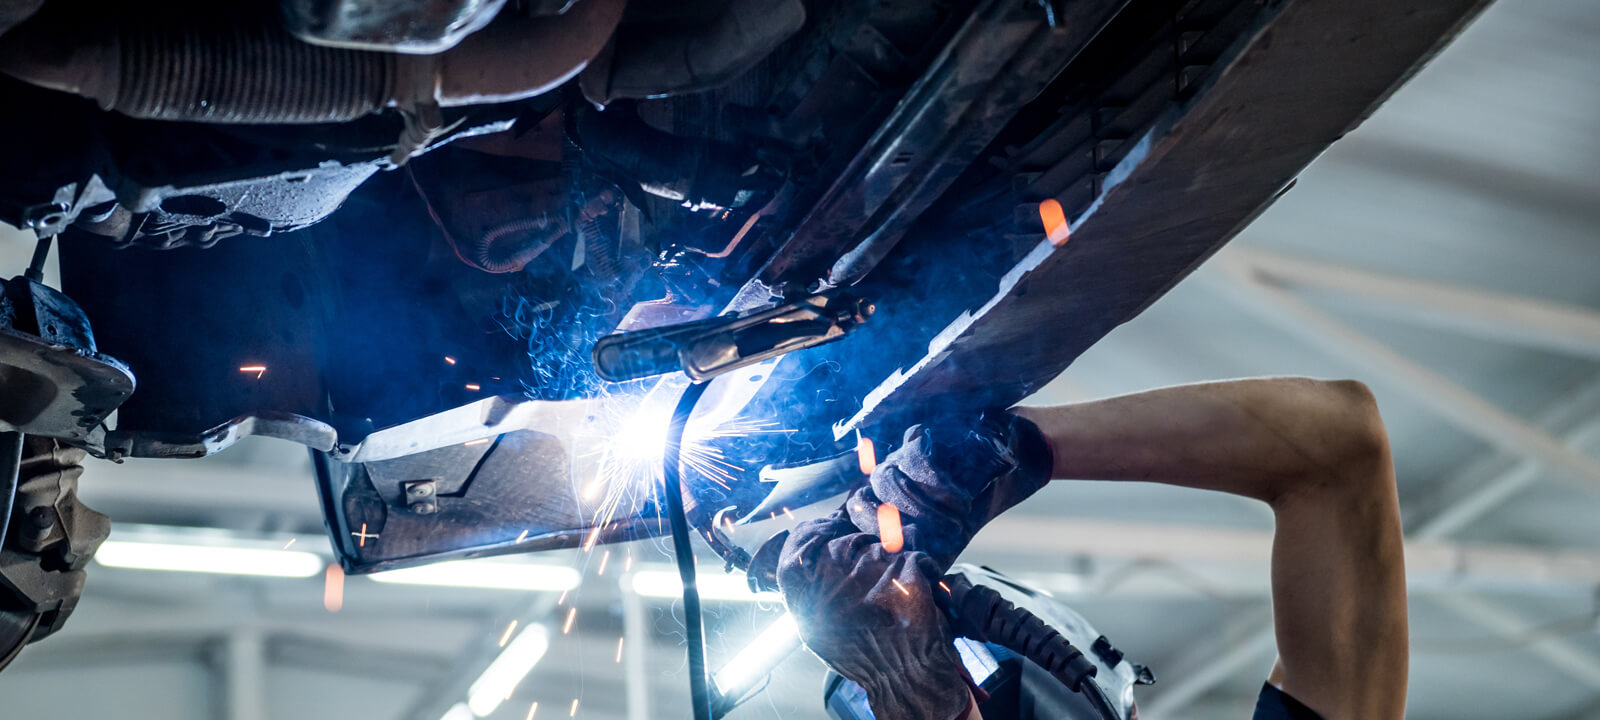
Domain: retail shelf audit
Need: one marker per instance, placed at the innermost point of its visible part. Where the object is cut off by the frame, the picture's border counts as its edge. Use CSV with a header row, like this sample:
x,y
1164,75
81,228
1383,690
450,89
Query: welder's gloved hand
x,y
870,615
950,478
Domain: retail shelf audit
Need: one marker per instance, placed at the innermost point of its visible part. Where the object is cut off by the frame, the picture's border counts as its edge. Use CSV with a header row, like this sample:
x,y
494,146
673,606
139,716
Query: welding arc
x,y
699,687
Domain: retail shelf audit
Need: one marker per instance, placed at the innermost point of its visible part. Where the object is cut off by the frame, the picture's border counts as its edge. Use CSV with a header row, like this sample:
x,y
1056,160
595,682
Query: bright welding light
x,y
220,560
500,679
642,438
458,711
728,588
758,659
488,575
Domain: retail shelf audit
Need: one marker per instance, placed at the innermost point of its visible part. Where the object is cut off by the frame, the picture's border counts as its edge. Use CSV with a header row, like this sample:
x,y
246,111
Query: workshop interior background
x,y
1394,260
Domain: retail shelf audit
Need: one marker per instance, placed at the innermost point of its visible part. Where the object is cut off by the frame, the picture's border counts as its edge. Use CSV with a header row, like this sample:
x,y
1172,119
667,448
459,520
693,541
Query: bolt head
x,y
424,508
420,489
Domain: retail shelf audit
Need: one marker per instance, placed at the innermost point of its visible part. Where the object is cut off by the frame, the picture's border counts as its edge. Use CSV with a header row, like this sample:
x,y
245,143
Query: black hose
x,y
982,614
699,688
10,473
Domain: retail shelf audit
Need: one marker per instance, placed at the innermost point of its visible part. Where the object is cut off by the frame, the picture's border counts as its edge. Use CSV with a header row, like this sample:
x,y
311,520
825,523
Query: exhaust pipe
x,y
233,71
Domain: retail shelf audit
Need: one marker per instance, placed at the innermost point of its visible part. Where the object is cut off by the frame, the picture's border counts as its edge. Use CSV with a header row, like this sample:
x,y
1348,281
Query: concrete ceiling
x,y
1472,191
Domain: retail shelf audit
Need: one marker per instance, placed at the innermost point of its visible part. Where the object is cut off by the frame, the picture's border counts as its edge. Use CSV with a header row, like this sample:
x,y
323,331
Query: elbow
x,y
1360,438
1357,464
1344,451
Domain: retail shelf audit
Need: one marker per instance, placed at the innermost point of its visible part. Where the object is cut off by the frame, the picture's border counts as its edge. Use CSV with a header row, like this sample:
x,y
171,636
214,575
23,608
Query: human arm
x,y
1317,454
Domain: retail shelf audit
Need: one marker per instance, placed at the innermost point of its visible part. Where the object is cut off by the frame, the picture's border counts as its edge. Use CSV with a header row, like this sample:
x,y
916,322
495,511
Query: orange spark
x,y
571,615
505,637
890,534
1055,222
333,589
574,712
449,360
532,710
479,441
789,514
902,588
946,587
523,536
291,542
603,559
563,599
259,370
619,648
866,455
627,563
363,535
473,387
594,537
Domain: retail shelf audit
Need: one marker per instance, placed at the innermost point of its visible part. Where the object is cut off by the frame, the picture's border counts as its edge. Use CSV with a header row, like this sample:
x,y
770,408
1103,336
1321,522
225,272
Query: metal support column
x,y
244,667
636,644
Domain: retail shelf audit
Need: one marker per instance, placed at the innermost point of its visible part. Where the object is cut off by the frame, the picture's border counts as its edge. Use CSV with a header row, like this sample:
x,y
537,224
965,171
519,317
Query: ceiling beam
x,y
1237,561
1454,404
345,658
1557,651
1211,662
1495,316
1481,485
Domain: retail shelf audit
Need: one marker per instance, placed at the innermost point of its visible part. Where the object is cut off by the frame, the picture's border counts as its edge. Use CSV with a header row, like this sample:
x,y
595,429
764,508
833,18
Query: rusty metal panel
x,y
1307,73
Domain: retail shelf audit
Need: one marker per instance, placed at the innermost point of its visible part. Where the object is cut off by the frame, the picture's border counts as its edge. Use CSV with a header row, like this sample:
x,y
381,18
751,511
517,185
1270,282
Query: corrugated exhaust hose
x,y
224,70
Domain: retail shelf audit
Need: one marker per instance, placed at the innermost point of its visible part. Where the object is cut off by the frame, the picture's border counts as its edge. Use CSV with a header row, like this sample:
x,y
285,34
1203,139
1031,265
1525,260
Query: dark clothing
x,y
1275,704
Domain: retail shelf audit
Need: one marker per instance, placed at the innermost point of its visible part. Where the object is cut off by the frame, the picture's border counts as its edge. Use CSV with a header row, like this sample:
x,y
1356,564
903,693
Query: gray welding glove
x,y
950,478
870,615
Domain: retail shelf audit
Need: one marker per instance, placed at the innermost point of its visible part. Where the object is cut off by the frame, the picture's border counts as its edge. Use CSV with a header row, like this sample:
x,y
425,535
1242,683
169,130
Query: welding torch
x,y
707,348
976,612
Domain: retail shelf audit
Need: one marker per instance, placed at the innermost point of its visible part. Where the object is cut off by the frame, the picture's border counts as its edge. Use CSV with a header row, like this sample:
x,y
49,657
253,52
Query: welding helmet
x,y
1019,689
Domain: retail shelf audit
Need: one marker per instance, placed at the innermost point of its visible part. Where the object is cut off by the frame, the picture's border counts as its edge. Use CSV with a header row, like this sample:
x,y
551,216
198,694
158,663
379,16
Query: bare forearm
x,y
1317,453
1255,438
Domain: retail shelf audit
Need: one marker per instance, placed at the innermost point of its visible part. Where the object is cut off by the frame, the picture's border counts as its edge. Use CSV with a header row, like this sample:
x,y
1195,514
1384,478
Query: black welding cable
x,y
983,614
699,688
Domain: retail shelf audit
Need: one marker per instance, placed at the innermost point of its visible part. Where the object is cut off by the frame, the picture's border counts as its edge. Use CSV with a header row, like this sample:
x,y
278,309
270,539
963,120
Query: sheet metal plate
x,y
1309,72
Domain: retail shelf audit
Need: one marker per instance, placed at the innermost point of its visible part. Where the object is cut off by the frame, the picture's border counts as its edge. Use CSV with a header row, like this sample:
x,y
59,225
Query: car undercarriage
x,y
396,232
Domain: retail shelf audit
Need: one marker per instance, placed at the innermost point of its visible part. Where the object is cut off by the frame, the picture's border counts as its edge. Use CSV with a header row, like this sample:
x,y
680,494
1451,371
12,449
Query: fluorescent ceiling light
x,y
758,659
666,584
490,575
220,560
500,679
457,711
